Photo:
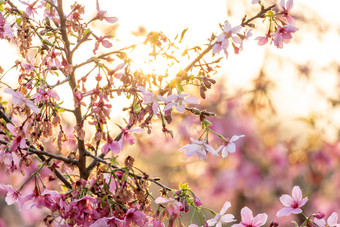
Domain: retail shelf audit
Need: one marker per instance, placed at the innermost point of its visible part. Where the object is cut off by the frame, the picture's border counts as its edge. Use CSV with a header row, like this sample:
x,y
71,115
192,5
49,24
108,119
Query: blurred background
x,y
285,102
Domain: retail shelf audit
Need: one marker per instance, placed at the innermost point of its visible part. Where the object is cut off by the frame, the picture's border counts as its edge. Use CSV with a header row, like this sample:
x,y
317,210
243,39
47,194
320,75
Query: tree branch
x,y
245,23
56,172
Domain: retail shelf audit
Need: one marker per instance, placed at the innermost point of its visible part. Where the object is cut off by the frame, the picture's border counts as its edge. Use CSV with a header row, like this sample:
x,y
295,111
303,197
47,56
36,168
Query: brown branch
x,y
73,85
155,181
33,150
92,59
207,50
56,172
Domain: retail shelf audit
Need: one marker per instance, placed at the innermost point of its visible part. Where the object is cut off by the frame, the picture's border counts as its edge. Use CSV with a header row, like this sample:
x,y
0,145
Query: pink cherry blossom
x,y
117,71
51,60
262,40
107,222
6,31
199,147
255,1
229,147
286,7
249,221
101,40
292,203
31,9
12,195
222,41
283,35
28,65
221,217
44,95
150,98
173,206
19,139
126,135
101,15
136,217
179,101
18,99
111,145
332,221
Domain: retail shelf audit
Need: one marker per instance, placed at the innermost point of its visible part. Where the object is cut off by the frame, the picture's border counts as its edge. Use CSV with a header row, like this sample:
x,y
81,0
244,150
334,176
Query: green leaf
x,y
18,20
180,88
48,6
87,31
136,109
47,42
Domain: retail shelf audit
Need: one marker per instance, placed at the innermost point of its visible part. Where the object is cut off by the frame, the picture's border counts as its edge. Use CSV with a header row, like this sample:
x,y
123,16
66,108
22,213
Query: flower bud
x,y
197,201
178,192
274,224
320,215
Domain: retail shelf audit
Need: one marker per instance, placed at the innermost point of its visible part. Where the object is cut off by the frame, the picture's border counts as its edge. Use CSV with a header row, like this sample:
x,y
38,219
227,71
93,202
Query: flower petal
x,y
332,219
286,200
284,212
297,194
260,219
234,138
192,100
227,218
225,207
247,215
111,19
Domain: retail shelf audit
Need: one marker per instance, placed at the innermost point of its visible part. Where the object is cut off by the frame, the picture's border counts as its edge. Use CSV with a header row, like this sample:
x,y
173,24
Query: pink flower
x,y
28,66
292,203
200,147
332,221
173,206
12,195
111,145
249,221
283,35
127,136
19,139
101,40
229,147
286,7
150,98
221,217
255,1
30,10
107,222
115,72
222,41
6,30
136,217
44,95
51,60
262,40
18,99
179,101
101,15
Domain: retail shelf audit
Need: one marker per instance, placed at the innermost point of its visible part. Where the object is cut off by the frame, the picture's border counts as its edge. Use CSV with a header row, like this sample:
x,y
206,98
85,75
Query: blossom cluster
x,y
94,188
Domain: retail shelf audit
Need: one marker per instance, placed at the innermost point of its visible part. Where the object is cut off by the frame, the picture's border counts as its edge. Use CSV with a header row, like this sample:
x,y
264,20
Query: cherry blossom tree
x,y
76,175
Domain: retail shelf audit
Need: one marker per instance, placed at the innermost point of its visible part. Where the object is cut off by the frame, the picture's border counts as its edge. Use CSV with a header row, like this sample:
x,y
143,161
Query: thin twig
x,y
56,172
